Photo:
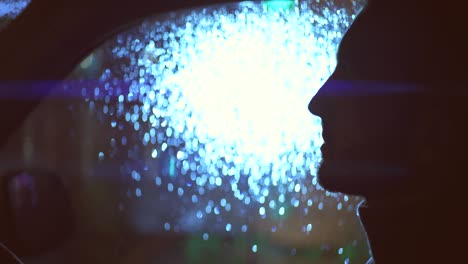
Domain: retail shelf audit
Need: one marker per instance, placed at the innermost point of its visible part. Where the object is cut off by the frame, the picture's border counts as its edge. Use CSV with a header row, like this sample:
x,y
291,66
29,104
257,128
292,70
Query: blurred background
x,y
186,139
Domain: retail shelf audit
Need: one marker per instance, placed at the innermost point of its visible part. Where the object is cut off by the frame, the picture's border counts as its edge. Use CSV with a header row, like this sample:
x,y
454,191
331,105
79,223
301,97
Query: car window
x,y
192,126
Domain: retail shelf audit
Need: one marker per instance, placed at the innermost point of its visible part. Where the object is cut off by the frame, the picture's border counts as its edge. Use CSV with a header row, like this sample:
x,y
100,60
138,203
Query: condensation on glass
x,y
196,123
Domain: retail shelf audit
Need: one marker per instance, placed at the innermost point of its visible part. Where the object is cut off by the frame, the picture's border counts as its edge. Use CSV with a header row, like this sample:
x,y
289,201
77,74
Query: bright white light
x,y
281,211
215,102
249,86
261,211
244,82
254,248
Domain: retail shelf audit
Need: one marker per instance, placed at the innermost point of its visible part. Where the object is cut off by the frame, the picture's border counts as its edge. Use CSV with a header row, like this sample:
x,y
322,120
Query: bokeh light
x,y
209,120
12,8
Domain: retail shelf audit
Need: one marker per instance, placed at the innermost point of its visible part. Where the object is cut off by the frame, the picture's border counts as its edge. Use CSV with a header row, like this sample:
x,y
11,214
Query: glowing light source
x,y
254,248
281,211
138,192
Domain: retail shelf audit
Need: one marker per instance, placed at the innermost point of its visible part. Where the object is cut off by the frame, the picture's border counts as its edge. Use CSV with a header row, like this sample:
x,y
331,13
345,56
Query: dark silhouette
x,y
395,128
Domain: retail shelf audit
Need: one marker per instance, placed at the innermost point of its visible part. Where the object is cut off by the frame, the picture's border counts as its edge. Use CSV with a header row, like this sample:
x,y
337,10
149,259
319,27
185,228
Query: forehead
x,y
376,47
403,43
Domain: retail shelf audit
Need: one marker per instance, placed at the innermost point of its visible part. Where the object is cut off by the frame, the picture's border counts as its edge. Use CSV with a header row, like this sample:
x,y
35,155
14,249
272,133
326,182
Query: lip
x,y
323,149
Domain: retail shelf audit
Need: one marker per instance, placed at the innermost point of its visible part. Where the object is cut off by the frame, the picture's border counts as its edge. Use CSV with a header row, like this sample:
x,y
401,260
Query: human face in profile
x,y
368,113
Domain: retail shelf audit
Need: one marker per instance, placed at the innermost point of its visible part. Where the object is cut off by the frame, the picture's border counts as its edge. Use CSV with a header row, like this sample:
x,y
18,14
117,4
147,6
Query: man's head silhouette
x,y
394,127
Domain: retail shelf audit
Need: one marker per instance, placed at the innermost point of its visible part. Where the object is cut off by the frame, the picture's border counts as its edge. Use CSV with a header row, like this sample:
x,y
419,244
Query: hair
x,y
424,41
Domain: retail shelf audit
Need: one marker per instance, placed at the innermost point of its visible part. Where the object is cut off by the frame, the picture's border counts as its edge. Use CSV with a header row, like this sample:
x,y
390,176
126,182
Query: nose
x,y
319,105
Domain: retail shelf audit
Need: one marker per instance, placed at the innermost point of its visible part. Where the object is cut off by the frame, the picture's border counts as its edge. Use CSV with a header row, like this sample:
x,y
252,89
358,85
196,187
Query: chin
x,y
360,177
331,180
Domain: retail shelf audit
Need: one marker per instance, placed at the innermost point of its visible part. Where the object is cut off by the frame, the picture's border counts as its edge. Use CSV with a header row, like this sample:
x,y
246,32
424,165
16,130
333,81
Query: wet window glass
x,y
187,139
10,9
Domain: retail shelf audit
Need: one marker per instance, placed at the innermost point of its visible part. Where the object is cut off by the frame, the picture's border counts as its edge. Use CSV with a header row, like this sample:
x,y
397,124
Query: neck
x,y
423,233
